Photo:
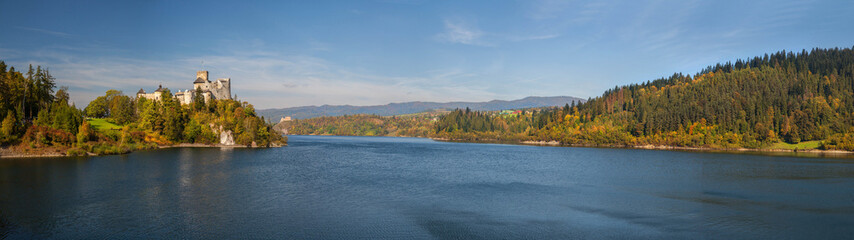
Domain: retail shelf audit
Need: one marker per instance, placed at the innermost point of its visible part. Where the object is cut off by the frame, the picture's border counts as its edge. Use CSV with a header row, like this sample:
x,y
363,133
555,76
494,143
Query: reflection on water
x,y
391,188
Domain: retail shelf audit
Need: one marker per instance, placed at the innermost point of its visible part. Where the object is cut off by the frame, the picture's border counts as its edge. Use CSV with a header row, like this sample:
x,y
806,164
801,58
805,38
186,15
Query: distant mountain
x,y
412,107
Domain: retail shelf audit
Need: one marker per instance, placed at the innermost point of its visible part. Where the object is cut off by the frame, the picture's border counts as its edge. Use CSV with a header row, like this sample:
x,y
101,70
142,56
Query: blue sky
x,y
296,53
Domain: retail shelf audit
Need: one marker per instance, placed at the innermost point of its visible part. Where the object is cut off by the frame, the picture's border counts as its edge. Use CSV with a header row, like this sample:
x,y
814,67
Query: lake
x,y
393,188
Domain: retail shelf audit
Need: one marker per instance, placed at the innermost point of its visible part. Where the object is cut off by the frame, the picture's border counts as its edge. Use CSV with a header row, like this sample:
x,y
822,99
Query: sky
x,y
299,53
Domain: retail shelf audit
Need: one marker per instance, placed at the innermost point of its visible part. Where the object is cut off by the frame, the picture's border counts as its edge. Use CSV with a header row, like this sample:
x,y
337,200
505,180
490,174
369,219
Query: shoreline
x,y
18,155
9,153
814,150
201,145
658,147
647,147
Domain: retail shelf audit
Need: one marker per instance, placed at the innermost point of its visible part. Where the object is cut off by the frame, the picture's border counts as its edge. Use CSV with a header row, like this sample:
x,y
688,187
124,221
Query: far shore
x,y
660,147
650,147
657,147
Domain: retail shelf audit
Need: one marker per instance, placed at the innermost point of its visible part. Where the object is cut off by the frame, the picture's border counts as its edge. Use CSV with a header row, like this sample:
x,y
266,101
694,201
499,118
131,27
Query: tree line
x,y
31,98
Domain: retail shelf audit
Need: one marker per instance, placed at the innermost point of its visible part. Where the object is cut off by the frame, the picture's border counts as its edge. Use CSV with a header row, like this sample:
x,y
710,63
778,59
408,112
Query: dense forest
x,y
38,119
785,97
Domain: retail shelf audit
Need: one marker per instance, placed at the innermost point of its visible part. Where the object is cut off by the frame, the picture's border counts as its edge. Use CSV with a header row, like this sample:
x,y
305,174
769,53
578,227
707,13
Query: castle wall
x,y
219,89
207,96
224,88
203,86
185,97
153,96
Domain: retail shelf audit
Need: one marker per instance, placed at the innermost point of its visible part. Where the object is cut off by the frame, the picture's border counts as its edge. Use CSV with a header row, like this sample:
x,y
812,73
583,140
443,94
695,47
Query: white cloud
x,y
464,32
266,79
457,31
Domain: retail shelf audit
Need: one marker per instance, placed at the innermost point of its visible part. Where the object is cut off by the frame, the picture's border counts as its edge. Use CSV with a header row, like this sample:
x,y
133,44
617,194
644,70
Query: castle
x,y
219,89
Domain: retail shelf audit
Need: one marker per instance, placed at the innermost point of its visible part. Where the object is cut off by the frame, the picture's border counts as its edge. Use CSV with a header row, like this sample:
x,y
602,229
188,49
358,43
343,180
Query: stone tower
x,y
203,75
201,81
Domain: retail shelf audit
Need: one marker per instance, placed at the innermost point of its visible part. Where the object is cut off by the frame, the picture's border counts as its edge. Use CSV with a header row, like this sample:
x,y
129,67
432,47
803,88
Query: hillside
x,y
412,107
752,103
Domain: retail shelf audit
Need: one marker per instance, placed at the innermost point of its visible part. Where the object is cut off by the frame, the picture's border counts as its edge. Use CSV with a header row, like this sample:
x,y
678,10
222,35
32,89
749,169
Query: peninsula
x,y
38,119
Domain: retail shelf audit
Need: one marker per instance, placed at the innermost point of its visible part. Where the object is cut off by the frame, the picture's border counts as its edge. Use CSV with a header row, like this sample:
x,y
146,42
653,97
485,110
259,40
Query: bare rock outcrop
x,y
226,137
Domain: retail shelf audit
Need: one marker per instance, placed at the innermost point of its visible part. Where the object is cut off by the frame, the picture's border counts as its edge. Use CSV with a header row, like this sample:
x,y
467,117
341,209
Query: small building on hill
x,y
154,96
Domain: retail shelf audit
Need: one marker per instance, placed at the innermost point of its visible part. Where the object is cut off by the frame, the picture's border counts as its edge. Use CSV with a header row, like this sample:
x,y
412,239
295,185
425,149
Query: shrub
x,y
839,141
137,136
73,152
8,125
244,139
45,136
84,133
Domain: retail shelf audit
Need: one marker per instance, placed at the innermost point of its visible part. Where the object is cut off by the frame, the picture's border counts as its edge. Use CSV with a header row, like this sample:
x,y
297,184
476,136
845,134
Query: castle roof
x,y
159,88
199,80
141,91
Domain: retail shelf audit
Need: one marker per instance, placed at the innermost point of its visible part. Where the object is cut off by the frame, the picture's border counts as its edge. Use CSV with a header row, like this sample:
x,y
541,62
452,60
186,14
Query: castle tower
x,y
203,75
201,81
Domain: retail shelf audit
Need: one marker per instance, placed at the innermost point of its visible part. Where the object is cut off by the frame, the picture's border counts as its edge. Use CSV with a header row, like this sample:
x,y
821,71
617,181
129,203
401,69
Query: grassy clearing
x,y
800,145
101,124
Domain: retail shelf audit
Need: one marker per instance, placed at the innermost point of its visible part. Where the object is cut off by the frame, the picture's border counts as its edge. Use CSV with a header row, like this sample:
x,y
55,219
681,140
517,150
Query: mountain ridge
x,y
303,112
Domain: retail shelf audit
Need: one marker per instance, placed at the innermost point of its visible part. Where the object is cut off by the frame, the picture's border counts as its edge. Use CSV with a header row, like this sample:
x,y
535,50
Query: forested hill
x,y
796,96
753,103
413,107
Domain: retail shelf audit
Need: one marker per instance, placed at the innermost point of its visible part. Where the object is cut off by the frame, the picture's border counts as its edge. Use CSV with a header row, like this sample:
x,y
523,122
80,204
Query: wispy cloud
x,y
48,32
462,32
650,31
267,79
302,80
532,37
319,46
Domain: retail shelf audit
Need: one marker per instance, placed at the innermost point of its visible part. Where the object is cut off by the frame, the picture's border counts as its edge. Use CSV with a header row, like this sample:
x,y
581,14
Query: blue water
x,y
393,188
